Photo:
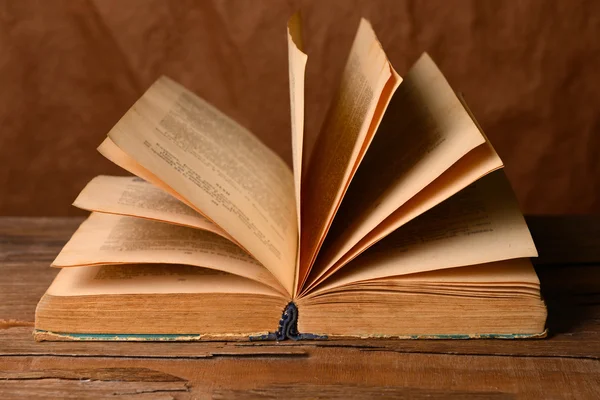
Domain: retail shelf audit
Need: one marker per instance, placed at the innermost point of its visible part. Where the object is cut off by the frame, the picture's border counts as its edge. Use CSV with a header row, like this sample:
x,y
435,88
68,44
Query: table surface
x,y
565,365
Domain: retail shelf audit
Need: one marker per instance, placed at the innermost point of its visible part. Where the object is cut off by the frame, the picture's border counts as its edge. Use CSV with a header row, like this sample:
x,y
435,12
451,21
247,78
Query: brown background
x,y
69,69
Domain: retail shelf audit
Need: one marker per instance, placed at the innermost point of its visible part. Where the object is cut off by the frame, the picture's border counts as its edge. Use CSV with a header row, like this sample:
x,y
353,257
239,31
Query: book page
x,y
113,153
151,279
424,132
480,224
133,196
516,275
114,239
512,273
477,163
219,167
367,84
297,68
518,271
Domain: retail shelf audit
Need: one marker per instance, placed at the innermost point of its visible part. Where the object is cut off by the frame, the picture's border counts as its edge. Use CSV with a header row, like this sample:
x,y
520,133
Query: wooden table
x,y
566,365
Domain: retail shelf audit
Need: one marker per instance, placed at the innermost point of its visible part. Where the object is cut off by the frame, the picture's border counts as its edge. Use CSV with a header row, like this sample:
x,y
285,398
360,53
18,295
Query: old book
x,y
400,224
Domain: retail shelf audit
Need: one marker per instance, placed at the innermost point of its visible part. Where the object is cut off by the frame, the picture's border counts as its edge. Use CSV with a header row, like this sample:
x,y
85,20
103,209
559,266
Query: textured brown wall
x,y
70,69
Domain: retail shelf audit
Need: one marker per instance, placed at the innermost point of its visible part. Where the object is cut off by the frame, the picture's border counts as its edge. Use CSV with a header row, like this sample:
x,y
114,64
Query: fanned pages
x,y
400,224
428,120
112,152
366,87
476,164
219,167
132,196
153,279
112,239
481,224
505,277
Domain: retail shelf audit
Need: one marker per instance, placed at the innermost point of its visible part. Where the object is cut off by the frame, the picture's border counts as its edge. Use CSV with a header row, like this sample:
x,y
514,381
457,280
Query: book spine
x,y
288,328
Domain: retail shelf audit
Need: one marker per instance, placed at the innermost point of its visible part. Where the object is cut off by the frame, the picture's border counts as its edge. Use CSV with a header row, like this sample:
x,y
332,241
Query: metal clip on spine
x,y
288,328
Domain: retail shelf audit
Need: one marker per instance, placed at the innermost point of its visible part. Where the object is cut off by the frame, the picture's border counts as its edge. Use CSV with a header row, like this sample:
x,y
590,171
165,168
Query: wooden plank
x,y
18,341
583,343
334,373
27,247
34,239
82,383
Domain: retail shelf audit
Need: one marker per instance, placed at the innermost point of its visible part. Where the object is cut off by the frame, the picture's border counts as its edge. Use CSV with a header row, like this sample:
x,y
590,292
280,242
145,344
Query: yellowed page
x,y
113,153
424,132
481,224
367,84
133,196
477,163
517,274
113,239
219,167
296,68
518,270
151,278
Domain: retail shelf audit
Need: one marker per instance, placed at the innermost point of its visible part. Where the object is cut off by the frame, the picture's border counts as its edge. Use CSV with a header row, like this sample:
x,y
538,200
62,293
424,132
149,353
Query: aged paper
x,y
113,239
297,68
219,167
518,271
425,131
113,153
367,84
516,275
477,163
133,196
151,278
480,224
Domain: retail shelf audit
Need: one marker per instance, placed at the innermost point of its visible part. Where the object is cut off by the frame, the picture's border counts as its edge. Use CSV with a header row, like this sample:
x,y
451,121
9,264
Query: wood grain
x,y
566,365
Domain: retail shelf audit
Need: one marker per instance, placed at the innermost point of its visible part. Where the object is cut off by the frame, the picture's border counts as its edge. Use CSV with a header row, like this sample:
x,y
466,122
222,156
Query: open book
x,y
401,223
